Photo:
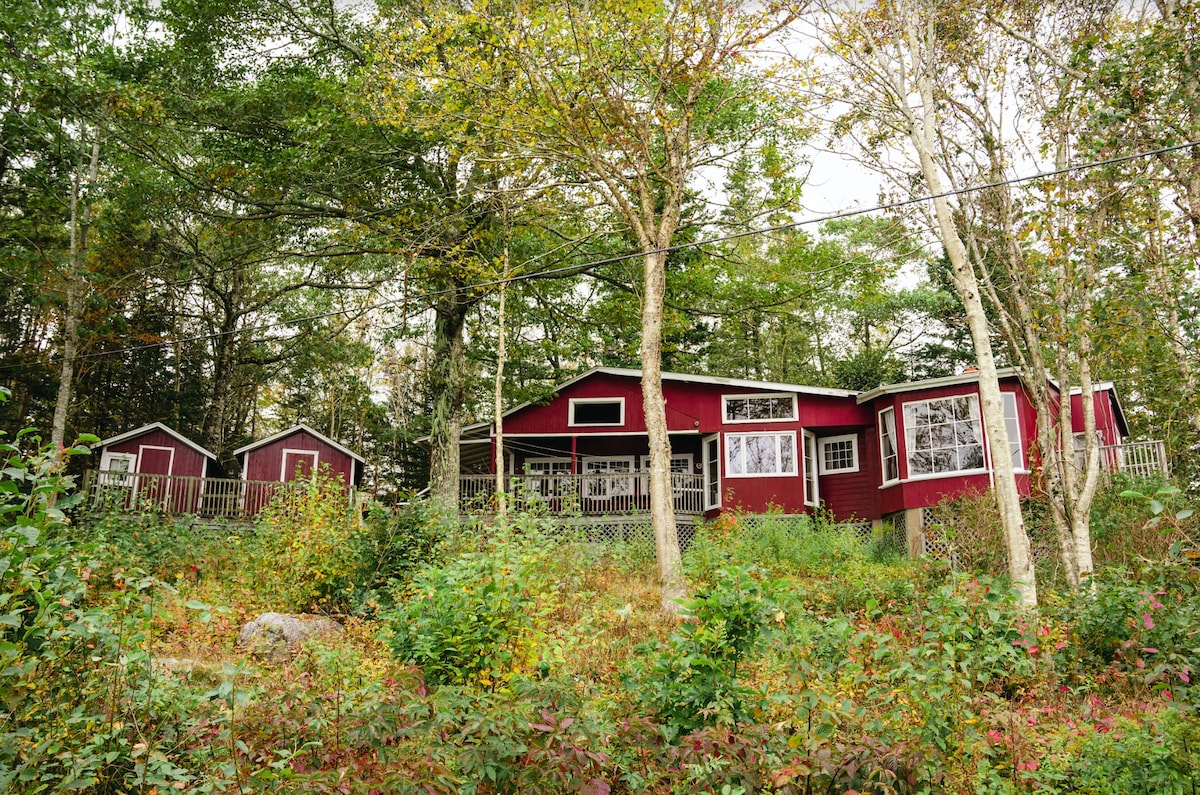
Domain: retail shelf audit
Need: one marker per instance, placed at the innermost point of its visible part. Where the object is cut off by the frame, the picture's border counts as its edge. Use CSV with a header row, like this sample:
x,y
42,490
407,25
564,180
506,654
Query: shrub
x,y
793,544
393,545
473,620
81,705
306,546
1145,622
693,679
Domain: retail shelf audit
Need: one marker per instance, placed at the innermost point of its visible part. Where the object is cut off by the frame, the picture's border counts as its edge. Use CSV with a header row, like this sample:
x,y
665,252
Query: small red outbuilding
x,y
297,452
164,461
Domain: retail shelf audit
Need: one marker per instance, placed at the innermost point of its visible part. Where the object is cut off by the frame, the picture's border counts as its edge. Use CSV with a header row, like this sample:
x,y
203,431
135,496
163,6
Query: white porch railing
x,y
210,498
600,494
1135,458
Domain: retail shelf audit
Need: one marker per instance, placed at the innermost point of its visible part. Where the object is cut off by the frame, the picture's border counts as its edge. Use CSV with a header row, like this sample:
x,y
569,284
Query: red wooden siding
x,y
160,453
929,491
1106,416
853,495
266,462
188,462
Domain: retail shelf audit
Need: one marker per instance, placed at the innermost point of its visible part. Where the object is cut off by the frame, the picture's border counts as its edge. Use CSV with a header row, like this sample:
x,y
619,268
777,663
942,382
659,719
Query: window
x,y
114,469
681,466
760,408
1012,424
712,473
611,477
888,452
811,490
943,436
839,454
551,485
754,454
1079,447
597,411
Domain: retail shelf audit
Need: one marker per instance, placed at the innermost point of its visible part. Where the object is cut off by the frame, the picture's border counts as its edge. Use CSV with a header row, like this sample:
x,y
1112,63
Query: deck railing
x,y
600,494
1135,458
209,498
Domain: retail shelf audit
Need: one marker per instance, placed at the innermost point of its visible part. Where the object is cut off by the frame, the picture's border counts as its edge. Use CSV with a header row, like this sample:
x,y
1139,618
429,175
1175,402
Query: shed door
x,y
154,466
298,463
155,460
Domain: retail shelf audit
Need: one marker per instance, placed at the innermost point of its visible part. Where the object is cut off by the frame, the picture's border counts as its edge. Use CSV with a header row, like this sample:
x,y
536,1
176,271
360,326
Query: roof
x,y
295,429
742,383
932,383
154,426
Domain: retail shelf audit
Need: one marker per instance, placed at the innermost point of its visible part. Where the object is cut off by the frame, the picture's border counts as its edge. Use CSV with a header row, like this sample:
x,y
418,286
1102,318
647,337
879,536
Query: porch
x,y
1135,458
606,494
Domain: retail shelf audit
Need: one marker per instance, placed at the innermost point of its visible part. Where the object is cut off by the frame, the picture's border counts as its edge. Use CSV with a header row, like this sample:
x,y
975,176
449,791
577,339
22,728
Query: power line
x,y
592,265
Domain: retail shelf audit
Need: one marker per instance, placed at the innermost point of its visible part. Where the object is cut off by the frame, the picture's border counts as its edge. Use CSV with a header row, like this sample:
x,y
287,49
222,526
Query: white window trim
x,y
545,483
1019,466
554,460
123,479
626,477
283,467
895,445
983,442
811,481
706,460
644,479
725,407
790,435
573,402
826,440
170,466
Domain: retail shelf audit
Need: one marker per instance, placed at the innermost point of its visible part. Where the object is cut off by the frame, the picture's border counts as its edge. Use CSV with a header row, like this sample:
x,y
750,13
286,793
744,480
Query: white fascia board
x,y
154,426
294,429
932,383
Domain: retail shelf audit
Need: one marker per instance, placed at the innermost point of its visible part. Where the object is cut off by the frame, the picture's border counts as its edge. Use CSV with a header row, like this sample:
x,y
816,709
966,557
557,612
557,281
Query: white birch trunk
x,y
80,220
498,401
922,133
662,510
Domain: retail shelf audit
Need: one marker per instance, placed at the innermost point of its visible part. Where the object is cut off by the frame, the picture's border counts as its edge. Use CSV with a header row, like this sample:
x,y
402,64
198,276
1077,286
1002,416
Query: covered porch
x,y
586,474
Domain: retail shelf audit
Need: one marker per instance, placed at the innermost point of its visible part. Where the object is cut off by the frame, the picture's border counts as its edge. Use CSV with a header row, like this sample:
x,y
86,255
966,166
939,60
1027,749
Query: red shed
x,y
170,467
298,451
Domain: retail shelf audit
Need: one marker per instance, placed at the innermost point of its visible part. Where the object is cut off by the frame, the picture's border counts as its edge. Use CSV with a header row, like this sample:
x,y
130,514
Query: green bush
x,y
693,679
393,545
305,552
791,544
81,707
1144,621
473,620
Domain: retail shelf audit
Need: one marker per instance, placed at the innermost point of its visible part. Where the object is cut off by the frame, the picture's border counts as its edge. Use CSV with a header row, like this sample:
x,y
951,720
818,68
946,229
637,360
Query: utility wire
x,y
589,266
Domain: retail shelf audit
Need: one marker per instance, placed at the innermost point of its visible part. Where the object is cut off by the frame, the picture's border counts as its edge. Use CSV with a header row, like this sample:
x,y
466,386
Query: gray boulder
x,y
275,636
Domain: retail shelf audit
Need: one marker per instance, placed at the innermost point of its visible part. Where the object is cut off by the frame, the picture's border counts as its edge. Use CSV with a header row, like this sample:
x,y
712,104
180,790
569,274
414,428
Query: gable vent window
x,y
597,411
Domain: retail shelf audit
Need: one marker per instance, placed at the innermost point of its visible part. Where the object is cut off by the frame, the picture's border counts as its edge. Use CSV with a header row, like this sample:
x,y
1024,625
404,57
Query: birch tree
x,y
630,102
892,56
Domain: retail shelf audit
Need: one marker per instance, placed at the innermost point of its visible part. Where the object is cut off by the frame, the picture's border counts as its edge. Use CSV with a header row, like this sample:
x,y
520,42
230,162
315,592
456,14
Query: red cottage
x,y
163,468
297,452
760,446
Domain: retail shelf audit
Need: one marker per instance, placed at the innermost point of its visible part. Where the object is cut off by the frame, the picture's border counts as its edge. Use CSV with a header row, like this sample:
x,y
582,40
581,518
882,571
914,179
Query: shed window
x,y
757,454
597,411
760,408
